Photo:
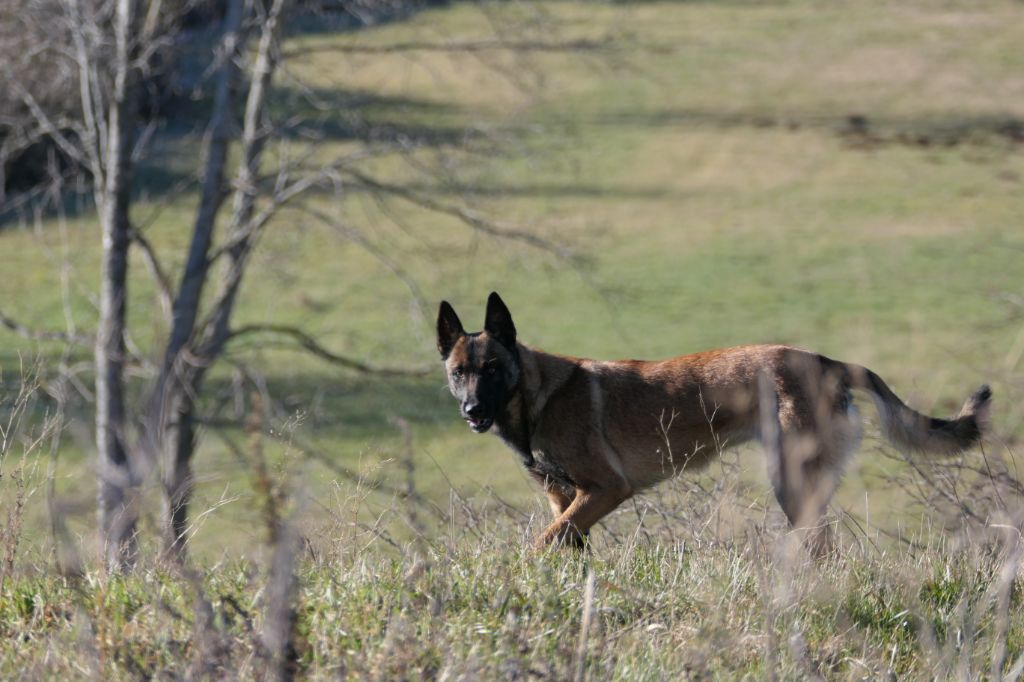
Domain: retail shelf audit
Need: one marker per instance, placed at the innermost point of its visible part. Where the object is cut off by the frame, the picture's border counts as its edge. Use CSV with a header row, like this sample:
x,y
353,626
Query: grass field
x,y
845,177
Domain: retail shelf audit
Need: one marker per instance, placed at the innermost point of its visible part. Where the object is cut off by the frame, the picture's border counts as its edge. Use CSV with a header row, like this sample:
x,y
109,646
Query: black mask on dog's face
x,y
483,367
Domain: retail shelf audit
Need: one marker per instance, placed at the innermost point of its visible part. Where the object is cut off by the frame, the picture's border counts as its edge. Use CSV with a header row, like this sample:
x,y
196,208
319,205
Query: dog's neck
x,y
540,376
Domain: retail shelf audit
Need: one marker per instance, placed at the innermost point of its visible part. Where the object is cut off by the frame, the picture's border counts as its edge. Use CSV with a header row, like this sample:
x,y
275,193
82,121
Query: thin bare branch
x,y
41,335
467,216
245,229
50,127
310,344
88,92
357,237
163,283
186,304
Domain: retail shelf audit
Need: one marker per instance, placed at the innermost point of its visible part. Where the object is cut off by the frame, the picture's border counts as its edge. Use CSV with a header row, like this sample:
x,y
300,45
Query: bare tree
x,y
193,345
112,175
102,140
116,48
112,47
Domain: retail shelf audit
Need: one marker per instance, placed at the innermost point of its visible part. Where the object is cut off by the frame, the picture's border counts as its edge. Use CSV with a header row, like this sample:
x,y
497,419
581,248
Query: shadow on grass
x,y
370,118
359,115
858,128
172,163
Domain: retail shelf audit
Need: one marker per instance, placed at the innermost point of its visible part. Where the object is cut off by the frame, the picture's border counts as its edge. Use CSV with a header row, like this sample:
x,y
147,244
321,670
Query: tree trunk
x,y
179,444
117,523
116,512
179,384
170,422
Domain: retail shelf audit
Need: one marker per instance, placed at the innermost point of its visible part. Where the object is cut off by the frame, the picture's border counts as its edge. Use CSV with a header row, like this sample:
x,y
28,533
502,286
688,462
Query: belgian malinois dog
x,y
594,433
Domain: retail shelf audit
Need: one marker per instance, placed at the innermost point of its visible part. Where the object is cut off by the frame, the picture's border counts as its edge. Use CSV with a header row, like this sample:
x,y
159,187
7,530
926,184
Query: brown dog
x,y
594,433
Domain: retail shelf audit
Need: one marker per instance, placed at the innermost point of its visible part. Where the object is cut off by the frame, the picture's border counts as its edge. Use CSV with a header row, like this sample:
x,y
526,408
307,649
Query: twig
x,y
588,607
467,216
308,343
40,335
358,238
163,283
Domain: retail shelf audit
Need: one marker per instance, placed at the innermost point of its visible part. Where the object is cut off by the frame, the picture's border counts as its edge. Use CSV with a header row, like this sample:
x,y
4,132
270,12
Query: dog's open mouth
x,y
480,424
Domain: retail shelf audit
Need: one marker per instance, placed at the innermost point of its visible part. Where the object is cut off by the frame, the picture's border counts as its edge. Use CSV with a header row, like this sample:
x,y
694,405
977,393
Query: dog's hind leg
x,y
806,453
803,481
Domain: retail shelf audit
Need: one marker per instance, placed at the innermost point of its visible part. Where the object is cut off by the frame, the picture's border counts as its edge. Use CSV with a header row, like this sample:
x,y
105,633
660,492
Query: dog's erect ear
x,y
449,329
498,322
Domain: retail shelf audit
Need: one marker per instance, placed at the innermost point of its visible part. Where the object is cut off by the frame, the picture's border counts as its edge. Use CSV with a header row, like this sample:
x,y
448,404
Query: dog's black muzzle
x,y
477,418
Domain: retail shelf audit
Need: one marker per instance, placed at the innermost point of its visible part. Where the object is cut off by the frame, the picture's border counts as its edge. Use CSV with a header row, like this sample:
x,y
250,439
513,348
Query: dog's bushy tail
x,y
910,430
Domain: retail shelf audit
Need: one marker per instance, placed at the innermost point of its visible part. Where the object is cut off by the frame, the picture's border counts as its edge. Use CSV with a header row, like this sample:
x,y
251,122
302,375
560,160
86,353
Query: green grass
x,y
704,168
468,605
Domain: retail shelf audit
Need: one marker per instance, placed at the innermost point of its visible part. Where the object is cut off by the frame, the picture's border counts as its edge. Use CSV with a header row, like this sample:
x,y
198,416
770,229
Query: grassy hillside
x,y
845,177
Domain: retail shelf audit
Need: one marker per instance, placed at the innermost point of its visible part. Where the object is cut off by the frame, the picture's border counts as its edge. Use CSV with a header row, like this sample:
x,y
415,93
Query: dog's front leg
x,y
587,508
559,501
559,498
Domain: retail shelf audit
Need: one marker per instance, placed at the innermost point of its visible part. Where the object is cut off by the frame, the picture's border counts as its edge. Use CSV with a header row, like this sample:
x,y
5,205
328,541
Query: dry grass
x,y
474,605
697,579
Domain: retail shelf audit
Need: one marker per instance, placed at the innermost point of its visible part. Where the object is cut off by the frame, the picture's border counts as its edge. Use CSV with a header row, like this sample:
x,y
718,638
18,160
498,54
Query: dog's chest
x,y
534,455
550,469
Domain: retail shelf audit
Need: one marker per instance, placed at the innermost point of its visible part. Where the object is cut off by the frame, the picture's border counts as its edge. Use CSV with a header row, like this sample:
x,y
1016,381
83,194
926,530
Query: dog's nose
x,y
473,409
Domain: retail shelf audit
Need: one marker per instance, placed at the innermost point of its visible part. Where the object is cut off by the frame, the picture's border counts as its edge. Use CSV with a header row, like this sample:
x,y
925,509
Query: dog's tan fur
x,y
595,433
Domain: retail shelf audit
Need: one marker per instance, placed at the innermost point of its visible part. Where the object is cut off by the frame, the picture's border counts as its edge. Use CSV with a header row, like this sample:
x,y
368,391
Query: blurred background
x,y
637,180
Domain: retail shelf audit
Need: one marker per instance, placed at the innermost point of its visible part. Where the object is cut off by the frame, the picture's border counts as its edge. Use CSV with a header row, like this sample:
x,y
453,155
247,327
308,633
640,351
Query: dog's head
x,y
483,367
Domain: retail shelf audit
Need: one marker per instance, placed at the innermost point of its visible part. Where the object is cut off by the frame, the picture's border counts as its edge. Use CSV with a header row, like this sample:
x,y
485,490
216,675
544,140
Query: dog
x,y
594,433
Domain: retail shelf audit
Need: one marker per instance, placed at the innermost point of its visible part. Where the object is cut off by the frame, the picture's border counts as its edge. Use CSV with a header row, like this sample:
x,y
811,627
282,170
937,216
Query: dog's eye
x,y
457,373
491,369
